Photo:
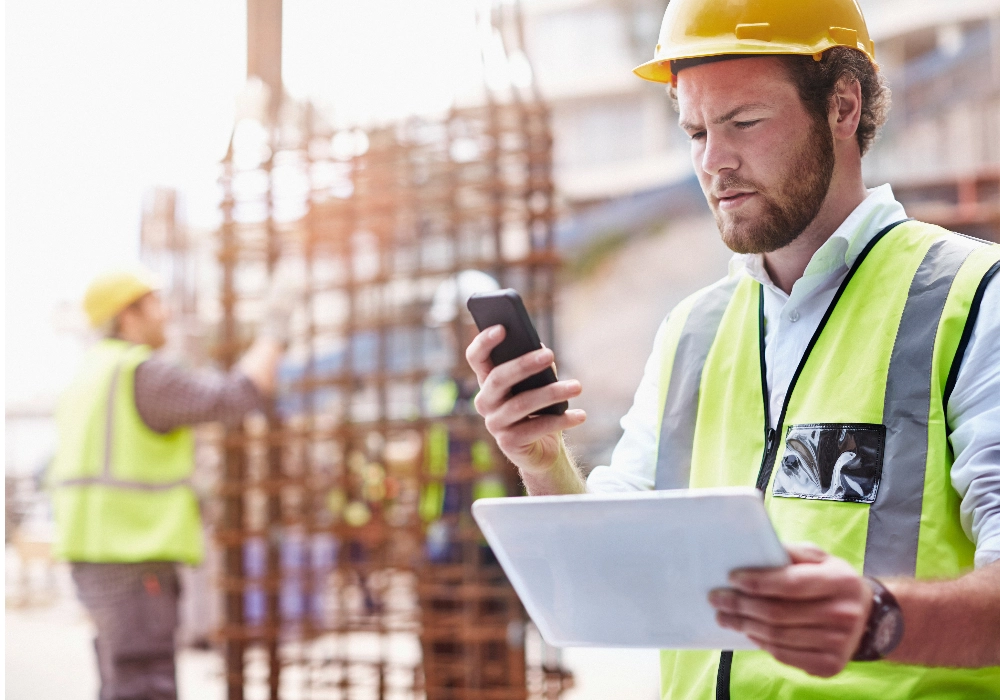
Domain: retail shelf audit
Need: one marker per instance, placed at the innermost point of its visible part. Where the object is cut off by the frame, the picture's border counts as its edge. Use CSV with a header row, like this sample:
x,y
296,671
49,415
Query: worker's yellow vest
x,y
441,396
121,491
860,462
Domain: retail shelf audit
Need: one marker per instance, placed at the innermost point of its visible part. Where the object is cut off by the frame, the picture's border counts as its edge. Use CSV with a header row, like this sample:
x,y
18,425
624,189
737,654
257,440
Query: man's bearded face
x,y
786,206
764,162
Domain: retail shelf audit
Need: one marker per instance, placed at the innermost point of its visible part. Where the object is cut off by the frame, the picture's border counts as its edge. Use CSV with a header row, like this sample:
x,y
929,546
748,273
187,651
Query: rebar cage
x,y
351,565
345,553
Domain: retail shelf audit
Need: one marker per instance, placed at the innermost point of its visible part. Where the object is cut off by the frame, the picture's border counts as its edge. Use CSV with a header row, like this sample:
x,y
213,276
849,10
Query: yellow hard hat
x,y
111,292
702,28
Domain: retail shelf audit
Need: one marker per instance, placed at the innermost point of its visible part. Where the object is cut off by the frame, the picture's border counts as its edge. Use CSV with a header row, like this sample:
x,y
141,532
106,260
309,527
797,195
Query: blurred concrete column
x,y
264,46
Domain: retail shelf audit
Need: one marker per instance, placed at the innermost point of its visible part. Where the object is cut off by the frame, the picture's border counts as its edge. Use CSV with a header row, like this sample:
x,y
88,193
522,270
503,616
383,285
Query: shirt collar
x,y
876,211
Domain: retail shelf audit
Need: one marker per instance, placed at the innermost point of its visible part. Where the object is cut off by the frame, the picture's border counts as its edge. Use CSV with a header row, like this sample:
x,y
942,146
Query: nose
x,y
718,155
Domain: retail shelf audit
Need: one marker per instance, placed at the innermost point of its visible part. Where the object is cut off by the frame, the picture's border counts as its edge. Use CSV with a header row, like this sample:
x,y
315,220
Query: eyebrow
x,y
687,126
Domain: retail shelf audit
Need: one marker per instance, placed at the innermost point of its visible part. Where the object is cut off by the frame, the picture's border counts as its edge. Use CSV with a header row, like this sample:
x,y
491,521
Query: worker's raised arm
x,y
260,362
534,443
169,396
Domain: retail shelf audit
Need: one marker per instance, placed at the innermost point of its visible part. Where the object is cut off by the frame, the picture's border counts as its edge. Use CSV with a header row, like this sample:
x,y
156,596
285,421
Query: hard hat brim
x,y
658,70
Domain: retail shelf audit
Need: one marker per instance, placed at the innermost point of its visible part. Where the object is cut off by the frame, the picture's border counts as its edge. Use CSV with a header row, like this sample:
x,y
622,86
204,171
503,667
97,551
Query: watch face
x,y
888,630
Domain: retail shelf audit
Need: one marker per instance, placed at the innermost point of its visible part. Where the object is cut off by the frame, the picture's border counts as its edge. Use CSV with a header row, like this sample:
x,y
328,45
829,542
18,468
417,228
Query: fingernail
x,y
729,622
544,358
721,598
494,332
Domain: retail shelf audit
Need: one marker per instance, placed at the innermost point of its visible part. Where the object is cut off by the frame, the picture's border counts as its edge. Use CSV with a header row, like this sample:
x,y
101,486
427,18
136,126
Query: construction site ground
x,y
50,655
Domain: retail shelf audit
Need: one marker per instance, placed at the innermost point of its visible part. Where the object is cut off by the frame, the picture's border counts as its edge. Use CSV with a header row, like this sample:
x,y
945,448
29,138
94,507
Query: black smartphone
x,y
505,308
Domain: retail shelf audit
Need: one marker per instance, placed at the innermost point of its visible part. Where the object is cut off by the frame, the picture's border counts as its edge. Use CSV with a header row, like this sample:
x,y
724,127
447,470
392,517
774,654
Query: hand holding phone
x,y
522,404
505,308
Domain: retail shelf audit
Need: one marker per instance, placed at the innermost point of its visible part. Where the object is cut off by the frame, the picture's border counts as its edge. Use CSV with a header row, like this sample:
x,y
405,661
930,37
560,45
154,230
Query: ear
x,y
126,318
132,315
845,109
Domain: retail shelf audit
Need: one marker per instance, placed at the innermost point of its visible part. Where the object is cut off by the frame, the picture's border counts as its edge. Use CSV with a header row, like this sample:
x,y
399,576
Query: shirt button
x,y
793,315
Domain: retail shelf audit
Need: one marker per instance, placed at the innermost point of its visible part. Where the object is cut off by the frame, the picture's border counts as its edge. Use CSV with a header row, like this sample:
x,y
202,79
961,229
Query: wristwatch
x,y
884,629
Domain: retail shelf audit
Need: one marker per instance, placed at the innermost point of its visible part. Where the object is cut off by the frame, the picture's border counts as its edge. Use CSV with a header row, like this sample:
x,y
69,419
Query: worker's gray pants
x,y
134,607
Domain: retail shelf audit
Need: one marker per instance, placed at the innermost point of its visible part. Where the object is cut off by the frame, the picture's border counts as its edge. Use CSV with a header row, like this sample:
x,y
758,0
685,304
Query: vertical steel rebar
x,y
234,458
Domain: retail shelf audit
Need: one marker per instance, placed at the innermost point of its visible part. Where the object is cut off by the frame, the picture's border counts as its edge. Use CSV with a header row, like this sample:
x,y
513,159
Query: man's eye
x,y
747,125
697,135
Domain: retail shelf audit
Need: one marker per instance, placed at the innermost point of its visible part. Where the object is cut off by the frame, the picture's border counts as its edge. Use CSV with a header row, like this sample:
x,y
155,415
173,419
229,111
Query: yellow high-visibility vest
x,y
121,491
860,461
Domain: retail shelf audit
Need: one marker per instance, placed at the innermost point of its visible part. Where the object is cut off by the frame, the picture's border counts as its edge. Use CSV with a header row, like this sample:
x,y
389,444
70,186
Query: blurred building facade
x,y
614,134
943,65
940,149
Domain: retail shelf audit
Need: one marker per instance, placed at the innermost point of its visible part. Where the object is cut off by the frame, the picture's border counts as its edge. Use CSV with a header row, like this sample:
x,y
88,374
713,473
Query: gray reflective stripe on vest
x,y
894,517
123,483
673,461
106,478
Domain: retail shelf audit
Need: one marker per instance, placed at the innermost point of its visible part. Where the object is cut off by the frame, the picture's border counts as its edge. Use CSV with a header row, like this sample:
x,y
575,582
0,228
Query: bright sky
x,y
108,99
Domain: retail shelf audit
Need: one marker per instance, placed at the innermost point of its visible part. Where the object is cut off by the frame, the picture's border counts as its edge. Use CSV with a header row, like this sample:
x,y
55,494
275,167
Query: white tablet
x,y
629,569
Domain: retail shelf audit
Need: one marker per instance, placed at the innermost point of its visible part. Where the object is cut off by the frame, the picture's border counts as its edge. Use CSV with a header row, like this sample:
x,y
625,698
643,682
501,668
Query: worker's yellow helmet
x,y
702,28
110,293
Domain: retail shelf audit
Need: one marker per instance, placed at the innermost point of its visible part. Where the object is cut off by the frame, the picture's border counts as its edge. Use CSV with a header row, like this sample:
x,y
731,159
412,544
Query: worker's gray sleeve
x,y
169,396
974,417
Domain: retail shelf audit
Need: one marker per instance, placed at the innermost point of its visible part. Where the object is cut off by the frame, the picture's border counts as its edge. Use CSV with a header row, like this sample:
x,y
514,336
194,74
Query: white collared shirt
x,y
790,321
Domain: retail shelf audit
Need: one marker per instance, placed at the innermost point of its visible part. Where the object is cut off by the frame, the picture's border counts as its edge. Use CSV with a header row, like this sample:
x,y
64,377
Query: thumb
x,y
805,553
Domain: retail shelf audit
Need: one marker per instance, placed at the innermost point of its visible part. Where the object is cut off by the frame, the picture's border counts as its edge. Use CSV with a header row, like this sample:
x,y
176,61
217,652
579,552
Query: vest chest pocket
x,y
832,462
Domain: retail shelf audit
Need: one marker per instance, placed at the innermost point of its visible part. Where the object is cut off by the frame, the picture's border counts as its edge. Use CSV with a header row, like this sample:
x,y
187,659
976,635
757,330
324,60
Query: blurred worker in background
x,y
126,514
848,367
459,467
448,497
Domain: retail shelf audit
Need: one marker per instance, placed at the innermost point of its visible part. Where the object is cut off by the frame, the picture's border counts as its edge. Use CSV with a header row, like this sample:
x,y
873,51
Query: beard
x,y
789,207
